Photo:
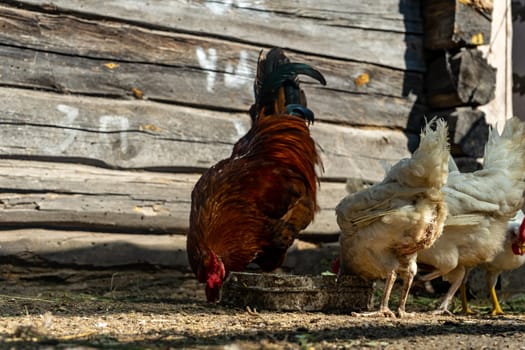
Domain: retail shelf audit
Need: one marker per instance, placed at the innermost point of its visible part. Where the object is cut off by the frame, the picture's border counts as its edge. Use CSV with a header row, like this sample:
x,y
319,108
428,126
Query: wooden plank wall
x,y
112,109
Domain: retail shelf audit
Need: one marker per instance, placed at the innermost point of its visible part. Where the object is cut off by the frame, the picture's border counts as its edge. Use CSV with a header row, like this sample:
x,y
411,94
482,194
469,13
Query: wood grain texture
x,y
147,135
77,248
112,109
58,249
460,79
334,36
468,131
25,68
72,55
73,196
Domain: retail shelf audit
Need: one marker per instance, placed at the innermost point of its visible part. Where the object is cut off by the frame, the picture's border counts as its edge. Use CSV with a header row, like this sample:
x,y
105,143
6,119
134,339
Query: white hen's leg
x,y
430,276
463,290
408,278
383,307
389,284
492,279
457,279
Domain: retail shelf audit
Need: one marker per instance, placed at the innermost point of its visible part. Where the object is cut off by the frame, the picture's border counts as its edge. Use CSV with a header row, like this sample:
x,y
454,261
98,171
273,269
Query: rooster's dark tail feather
x,y
276,86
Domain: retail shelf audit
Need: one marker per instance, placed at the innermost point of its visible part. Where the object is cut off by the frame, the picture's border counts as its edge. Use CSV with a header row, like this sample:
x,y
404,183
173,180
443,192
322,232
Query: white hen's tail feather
x,y
497,189
428,166
426,172
506,151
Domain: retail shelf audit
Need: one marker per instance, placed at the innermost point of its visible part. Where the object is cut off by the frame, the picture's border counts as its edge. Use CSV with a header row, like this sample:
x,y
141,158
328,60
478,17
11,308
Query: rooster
x,y
251,206
480,205
383,227
511,257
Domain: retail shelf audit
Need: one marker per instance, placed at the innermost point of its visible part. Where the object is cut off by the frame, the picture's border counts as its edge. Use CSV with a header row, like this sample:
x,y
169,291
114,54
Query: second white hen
x,y
511,257
480,204
383,227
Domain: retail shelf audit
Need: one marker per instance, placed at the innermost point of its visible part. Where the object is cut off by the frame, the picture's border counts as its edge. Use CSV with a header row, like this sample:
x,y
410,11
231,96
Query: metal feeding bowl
x,y
280,292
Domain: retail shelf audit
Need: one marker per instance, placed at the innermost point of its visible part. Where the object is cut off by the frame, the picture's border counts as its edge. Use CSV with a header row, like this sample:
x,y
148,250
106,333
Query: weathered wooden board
x,y
254,23
468,130
80,249
22,176
147,135
43,194
401,16
458,79
120,213
69,54
26,68
360,153
454,23
398,16
84,153
111,40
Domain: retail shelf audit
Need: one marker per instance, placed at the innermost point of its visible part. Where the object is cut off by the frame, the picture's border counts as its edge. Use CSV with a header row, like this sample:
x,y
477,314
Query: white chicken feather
x,y
480,204
383,227
511,257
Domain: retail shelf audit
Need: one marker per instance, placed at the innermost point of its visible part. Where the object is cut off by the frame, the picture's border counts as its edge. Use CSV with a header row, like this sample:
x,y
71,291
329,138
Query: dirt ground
x,y
160,309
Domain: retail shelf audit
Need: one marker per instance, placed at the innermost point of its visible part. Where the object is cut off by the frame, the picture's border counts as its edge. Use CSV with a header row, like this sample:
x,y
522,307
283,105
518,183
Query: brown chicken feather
x,y
251,206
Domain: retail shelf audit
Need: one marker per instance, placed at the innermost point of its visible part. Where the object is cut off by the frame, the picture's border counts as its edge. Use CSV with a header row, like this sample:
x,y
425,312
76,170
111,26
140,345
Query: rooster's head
x,y
518,245
215,274
336,265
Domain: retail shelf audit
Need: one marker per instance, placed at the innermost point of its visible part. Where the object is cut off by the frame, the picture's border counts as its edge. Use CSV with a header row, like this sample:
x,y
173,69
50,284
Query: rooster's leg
x,y
383,308
492,278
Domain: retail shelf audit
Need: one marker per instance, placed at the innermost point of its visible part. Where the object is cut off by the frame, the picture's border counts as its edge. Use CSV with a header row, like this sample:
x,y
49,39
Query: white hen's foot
x,y
442,312
382,312
404,314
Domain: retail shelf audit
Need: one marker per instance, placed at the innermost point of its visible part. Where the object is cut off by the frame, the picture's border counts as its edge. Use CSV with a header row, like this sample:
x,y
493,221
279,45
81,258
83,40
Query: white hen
x,y
512,257
383,227
480,204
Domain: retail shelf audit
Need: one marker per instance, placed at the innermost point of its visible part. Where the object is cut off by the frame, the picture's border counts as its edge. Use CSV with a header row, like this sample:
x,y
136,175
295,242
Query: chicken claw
x,y
464,303
404,314
442,312
496,308
382,312
497,312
